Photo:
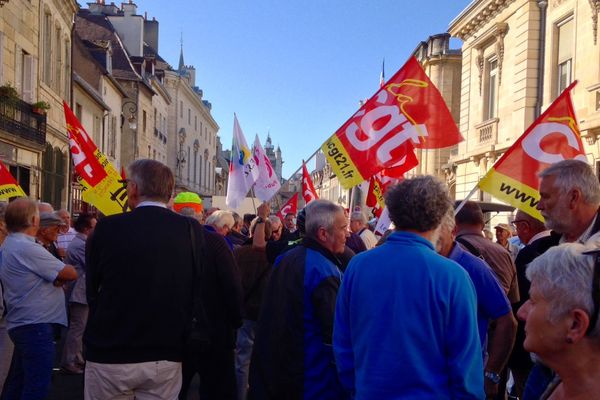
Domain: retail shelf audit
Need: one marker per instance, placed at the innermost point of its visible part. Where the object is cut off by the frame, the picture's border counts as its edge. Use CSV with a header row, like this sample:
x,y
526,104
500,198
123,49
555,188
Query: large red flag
x,y
553,137
308,190
408,110
290,207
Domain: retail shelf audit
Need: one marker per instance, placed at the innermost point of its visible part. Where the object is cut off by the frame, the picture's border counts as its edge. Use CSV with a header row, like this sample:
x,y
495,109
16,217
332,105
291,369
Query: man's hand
x,y
264,210
491,388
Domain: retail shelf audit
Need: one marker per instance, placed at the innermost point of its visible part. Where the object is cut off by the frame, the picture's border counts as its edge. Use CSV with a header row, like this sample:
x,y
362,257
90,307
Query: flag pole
x,y
253,203
300,167
462,203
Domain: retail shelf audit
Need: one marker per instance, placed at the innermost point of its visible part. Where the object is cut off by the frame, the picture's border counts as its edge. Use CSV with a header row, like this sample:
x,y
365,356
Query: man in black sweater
x,y
139,287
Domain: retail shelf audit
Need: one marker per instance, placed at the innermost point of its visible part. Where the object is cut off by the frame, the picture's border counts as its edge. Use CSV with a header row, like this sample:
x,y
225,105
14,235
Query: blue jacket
x,y
406,325
292,356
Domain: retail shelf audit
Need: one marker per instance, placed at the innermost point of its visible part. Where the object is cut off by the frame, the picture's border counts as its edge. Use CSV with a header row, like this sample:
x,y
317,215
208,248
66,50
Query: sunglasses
x,y
595,290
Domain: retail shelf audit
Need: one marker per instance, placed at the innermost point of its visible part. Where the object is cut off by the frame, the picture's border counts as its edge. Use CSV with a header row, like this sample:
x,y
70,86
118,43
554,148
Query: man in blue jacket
x,y
292,357
406,317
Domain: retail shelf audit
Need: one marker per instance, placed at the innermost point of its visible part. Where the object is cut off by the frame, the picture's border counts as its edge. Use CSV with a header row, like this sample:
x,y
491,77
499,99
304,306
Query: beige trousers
x,y
155,380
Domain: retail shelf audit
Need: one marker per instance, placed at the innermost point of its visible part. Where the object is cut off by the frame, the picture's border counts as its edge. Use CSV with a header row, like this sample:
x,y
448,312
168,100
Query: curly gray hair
x,y
418,204
563,275
571,174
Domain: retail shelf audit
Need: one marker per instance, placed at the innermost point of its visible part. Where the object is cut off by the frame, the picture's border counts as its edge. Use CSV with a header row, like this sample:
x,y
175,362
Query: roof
x,y
94,28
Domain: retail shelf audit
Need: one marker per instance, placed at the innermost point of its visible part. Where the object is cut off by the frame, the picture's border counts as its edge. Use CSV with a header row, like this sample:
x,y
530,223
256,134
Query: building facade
x,y
518,56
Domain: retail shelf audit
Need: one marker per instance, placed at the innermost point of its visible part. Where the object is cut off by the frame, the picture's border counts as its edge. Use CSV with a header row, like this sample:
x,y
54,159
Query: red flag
x,y
83,150
375,195
291,207
408,110
123,175
8,184
308,189
553,137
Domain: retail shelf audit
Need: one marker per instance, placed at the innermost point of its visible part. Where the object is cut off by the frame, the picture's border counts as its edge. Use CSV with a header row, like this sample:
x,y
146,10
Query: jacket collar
x,y
312,244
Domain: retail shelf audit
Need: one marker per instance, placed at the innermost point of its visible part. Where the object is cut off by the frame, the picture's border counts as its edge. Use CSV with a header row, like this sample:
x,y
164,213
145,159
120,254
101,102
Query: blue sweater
x,y
406,325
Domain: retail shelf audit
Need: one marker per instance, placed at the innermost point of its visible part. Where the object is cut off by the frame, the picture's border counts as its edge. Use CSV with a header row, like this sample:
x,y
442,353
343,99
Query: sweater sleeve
x,y
465,361
342,340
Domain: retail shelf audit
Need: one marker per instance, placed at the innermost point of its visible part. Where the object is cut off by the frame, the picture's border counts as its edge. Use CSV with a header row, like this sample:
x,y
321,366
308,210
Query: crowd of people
x,y
314,306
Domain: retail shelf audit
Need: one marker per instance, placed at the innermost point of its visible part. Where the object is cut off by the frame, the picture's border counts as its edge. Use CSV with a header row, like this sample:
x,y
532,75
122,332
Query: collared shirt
x,y
539,235
148,203
584,236
65,238
28,272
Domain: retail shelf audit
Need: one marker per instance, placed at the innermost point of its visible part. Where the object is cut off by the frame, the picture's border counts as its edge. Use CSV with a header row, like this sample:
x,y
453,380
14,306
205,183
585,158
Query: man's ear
x,y
322,234
575,196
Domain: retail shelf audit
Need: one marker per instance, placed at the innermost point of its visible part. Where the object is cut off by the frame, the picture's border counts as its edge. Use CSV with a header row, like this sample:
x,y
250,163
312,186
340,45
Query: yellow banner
x,y
11,190
511,191
342,164
110,195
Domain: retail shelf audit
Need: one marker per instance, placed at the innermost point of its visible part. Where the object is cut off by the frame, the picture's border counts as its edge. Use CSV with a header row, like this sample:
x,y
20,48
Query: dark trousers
x,y
216,369
31,369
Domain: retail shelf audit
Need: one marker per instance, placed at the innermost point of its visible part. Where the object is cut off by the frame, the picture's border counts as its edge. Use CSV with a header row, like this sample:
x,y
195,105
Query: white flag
x,y
384,222
268,181
242,168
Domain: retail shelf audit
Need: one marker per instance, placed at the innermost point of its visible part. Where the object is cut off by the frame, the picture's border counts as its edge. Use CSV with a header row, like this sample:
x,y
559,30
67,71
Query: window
x,y
47,50
181,109
491,89
564,55
189,116
113,136
1,57
78,111
188,164
58,64
196,122
195,166
200,172
144,122
67,80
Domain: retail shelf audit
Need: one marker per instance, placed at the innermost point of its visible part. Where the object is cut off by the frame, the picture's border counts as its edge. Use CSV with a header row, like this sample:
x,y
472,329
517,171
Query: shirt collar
x,y
584,236
21,235
539,235
148,203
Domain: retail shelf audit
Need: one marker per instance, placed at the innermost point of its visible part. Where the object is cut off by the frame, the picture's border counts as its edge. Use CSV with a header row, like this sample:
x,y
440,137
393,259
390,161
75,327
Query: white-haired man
x,y
358,225
221,222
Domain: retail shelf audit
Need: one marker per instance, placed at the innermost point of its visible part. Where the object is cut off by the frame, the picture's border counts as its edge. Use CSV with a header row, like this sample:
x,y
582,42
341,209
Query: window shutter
x,y
18,68
28,76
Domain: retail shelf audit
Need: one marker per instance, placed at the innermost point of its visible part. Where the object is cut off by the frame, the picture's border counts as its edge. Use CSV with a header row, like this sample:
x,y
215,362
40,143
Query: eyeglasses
x,y
595,290
517,221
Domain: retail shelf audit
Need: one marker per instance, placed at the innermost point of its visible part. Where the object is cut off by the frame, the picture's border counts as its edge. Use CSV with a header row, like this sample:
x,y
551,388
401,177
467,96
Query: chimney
x,y
151,33
129,9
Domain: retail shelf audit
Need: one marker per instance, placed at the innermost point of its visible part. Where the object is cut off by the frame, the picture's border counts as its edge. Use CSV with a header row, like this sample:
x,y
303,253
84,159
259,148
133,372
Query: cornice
x,y
475,16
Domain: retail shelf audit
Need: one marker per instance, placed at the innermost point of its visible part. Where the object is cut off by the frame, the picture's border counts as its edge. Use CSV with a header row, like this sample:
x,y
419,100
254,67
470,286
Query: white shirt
x,y
368,238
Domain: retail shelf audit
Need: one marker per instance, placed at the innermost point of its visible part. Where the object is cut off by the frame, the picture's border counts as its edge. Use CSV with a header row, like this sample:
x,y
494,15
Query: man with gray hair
x,y
569,200
292,355
359,226
235,235
406,317
32,279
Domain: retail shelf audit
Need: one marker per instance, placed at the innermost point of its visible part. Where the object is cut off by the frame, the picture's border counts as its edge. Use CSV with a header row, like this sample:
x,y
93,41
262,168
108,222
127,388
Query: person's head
x,y
85,223
22,215
66,217
248,218
238,222
149,180
44,207
290,221
418,204
445,239
222,221
325,223
268,227
301,222
569,194
503,233
527,226
561,306
470,216
50,226
358,221
188,204
210,211
276,227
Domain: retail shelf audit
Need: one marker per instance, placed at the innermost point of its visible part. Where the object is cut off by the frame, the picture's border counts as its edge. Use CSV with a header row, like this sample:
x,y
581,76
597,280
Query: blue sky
x,y
294,68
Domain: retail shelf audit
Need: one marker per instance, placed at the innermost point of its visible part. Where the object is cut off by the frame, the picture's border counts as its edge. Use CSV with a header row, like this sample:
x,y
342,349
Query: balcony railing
x,y
17,118
487,132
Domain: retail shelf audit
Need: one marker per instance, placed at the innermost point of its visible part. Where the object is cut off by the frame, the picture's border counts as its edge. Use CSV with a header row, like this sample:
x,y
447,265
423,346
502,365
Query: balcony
x,y
18,119
487,133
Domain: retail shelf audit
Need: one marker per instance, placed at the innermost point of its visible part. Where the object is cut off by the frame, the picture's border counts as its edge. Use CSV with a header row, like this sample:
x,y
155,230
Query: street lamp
x,y
129,107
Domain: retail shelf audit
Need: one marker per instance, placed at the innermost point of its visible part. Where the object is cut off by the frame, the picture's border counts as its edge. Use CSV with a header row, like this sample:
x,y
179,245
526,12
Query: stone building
x,y
35,60
192,140
274,155
518,55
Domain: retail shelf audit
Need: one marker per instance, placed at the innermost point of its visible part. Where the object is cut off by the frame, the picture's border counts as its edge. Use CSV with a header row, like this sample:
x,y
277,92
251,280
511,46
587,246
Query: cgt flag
x,y
267,183
407,111
102,185
308,190
290,207
9,187
242,168
553,137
